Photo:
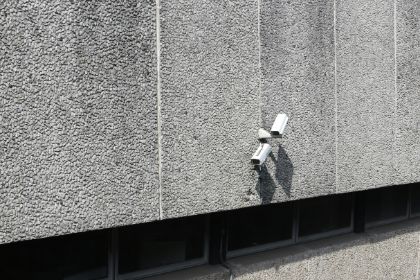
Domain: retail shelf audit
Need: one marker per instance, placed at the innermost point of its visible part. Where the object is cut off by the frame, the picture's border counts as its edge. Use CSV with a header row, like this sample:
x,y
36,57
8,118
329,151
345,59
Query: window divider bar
x,y
295,232
359,212
410,195
260,248
115,253
322,235
218,238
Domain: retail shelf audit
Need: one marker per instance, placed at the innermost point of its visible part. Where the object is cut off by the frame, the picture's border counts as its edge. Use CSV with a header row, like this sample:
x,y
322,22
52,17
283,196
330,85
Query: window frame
x,y
407,215
268,246
111,258
322,235
140,274
410,202
82,276
259,248
295,240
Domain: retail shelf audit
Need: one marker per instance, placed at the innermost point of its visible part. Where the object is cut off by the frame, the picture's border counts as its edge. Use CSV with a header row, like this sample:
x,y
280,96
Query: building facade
x,y
127,129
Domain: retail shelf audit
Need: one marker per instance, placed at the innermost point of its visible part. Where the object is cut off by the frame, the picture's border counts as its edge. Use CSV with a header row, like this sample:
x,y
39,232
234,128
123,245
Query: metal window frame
x,y
110,276
326,234
295,234
84,276
406,216
114,254
414,215
268,246
331,233
386,222
411,214
140,274
259,248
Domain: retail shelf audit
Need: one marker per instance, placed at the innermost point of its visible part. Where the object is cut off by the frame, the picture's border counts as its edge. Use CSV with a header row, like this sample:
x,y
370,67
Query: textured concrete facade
x,y
407,127
210,112
122,112
78,129
297,63
365,94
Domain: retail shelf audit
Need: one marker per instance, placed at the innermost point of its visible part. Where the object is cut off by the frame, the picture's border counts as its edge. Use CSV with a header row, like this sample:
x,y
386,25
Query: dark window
x,y
261,225
79,256
158,244
415,199
325,214
386,204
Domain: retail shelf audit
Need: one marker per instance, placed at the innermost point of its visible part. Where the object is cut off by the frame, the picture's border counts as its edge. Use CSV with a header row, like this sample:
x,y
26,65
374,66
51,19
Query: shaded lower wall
x,y
388,252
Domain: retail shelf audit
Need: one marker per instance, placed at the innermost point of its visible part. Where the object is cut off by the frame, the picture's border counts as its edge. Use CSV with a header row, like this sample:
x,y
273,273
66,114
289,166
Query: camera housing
x,y
261,154
279,125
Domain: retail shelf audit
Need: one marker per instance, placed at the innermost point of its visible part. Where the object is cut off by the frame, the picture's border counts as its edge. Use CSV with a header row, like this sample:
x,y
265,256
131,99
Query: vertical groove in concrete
x,y
159,114
394,131
335,94
260,105
259,60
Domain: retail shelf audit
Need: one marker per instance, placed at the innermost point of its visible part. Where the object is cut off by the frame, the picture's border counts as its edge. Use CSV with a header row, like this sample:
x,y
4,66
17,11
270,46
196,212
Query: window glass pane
x,y
324,214
73,257
255,226
386,203
162,243
415,199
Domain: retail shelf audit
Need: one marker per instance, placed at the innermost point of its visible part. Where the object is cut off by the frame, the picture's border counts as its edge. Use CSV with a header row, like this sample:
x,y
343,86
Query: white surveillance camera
x,y
279,125
261,154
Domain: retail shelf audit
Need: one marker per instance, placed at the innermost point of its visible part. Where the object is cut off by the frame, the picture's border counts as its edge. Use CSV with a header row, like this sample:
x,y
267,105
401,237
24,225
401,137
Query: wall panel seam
x,y
395,92
335,95
259,60
159,103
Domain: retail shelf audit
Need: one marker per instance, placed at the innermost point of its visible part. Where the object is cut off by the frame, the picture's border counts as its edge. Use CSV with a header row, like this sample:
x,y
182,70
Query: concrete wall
x,y
390,252
78,127
122,112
